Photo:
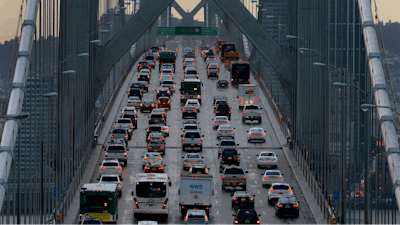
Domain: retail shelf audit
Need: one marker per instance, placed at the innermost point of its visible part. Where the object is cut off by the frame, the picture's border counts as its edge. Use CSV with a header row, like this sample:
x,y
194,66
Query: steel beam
x,y
267,47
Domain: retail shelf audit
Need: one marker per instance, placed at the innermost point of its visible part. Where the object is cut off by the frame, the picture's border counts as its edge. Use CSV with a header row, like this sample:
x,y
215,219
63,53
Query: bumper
x,y
234,184
283,210
256,138
267,163
189,115
239,204
110,173
147,108
276,197
150,211
251,118
231,135
192,146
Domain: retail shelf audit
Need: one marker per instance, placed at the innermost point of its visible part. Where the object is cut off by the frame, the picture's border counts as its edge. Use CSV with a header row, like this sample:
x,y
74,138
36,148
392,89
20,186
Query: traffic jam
x,y
180,176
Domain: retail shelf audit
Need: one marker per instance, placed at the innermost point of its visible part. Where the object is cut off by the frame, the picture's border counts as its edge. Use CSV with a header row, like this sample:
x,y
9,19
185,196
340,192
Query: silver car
x,y
256,134
152,157
156,136
226,131
271,176
110,167
112,179
278,190
267,159
156,146
220,120
193,102
191,158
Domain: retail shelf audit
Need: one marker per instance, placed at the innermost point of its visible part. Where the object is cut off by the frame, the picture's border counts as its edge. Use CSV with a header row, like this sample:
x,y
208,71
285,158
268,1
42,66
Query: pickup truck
x,y
117,151
125,123
234,177
192,139
122,133
251,112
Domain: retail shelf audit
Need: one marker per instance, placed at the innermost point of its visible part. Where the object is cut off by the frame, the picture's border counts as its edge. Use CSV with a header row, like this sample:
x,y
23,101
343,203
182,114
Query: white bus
x,y
150,194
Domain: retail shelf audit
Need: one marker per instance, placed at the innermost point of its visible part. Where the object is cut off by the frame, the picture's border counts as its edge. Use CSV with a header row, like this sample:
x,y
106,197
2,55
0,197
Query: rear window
x,y
223,106
287,200
281,187
251,107
154,128
190,128
119,131
110,164
168,82
156,116
150,57
234,171
213,71
258,130
191,72
163,99
115,148
268,154
229,152
273,173
229,143
247,214
156,142
124,121
193,156
192,135
109,179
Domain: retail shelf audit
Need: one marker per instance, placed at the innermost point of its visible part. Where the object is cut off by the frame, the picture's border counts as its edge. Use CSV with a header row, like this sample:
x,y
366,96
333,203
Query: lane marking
x,y
255,181
260,201
258,191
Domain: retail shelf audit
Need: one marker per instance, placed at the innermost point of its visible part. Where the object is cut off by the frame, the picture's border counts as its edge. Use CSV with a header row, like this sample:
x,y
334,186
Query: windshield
x,y
151,189
234,171
109,179
192,135
110,164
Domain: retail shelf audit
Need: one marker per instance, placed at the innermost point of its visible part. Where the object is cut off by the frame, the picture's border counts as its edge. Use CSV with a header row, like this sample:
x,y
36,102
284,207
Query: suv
x,y
251,112
112,179
117,133
156,118
229,157
226,144
135,92
144,77
287,206
163,92
125,123
117,151
242,199
130,112
110,167
244,216
154,128
223,110
192,139
279,190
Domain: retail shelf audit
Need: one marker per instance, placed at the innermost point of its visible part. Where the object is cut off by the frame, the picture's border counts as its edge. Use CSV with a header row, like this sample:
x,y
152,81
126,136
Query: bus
x,y
190,89
166,57
150,194
99,201
240,72
229,57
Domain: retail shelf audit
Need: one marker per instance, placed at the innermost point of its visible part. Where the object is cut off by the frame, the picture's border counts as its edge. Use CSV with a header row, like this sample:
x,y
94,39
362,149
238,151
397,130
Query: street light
x,y
302,50
288,37
339,84
18,118
366,107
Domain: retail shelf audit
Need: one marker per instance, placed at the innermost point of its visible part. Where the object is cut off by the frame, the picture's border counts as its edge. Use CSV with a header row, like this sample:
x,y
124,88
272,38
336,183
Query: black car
x,y
145,85
143,65
144,77
153,128
135,92
242,200
156,118
189,111
229,157
287,206
150,60
163,92
137,85
223,110
212,73
222,84
246,216
198,169
226,144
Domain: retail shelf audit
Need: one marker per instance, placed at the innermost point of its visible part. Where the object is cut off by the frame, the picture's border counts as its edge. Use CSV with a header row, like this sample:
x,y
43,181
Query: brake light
x,y
125,136
251,134
295,205
265,178
183,140
208,74
112,136
166,200
248,79
201,140
218,85
147,168
251,199
154,59
149,139
102,168
162,147
244,112
146,159
223,176
166,128
259,112
289,190
227,84
217,121
158,158
258,221
149,147
125,154
149,119
117,168
119,184
184,111
262,134
194,111
136,203
236,221
280,205
162,138
280,178
272,190
106,154
238,158
217,74
219,131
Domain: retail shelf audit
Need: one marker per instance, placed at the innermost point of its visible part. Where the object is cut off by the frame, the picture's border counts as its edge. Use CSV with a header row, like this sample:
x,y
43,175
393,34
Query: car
x,y
256,134
188,61
192,140
166,77
154,167
145,71
279,190
152,157
196,216
130,112
143,65
90,220
150,60
137,85
156,118
271,176
145,85
158,110
187,50
191,67
190,127
219,120
165,128
118,133
110,167
156,136
267,159
211,58
189,111
169,72
222,84
242,200
144,77
167,66
223,110
212,73
220,102
226,144
147,105
156,55
251,112
135,92
125,123
164,102
154,128
226,131
287,205
112,179
191,158
246,216
169,84
156,145
229,157
193,102
198,169
219,97
191,72
134,101
163,92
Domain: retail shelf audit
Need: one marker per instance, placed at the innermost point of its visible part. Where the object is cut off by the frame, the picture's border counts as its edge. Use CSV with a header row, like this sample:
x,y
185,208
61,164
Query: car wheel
x,y
201,148
269,201
120,195
259,121
125,163
258,166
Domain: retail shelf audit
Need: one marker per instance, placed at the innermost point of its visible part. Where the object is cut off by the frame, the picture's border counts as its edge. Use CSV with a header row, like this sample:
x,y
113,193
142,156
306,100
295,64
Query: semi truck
x,y
166,57
218,45
195,192
240,72
190,89
230,57
249,94
227,48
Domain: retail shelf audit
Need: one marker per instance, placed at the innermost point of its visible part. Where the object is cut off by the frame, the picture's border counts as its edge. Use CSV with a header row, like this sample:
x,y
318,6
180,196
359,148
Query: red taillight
x,y
217,74
106,154
262,134
136,203
272,190
146,159
149,119
102,168
125,136
184,111
162,147
117,168
160,168
201,140
236,221
119,184
248,79
289,190
234,198
223,176
280,178
227,84
244,112
183,207
265,178
183,140
258,221
280,205
251,199
295,205
232,131
152,105
112,136
218,85
219,131
215,121
146,168
158,158
244,177
162,138
125,154
226,122
149,147
166,200
154,59
194,111
251,134
238,158
259,112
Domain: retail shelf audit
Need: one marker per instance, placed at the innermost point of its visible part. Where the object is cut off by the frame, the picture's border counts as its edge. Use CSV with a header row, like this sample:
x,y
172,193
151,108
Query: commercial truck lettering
x,y
196,186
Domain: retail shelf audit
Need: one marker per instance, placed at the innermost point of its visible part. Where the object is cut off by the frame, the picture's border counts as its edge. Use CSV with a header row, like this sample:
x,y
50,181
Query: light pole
x,y
18,118
302,50
288,37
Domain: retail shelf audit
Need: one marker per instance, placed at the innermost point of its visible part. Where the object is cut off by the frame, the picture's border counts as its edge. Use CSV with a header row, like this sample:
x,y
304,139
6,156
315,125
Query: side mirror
x,y
203,158
259,215
212,192
179,191
127,149
282,174
220,171
246,172
105,149
257,155
202,84
99,164
132,193
237,96
169,183
202,135
98,178
212,119
181,135
260,108
121,179
237,144
182,157
239,154
233,214
262,174
247,131
216,144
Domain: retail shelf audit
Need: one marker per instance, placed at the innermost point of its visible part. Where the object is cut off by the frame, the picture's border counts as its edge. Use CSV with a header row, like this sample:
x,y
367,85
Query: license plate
x,y
154,169
110,169
191,144
156,120
266,159
247,221
229,157
162,94
287,206
243,199
272,178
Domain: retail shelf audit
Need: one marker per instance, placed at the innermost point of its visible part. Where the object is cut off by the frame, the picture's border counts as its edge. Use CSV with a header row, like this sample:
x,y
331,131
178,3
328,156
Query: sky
x,y
9,12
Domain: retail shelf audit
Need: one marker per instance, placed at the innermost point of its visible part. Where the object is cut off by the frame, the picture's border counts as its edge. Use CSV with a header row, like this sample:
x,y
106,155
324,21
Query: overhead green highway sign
x,y
187,31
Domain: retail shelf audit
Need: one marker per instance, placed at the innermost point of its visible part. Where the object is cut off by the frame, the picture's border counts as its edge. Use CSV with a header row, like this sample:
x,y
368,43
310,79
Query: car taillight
x,y
112,136
218,85
238,158
262,134
106,154
232,131
295,205
169,102
217,74
136,203
208,74
135,118
149,119
265,178
215,121
280,178
244,112
201,140
236,221
219,131
226,122
251,199
154,59
166,128
119,184
117,168
184,111
102,168
166,200
194,111
149,139
162,139
162,147
248,79
125,154
163,119
289,190
227,84
258,221
259,112
146,159
251,134
244,177
234,198
146,168
272,190
223,176
280,205
149,147
125,136
183,140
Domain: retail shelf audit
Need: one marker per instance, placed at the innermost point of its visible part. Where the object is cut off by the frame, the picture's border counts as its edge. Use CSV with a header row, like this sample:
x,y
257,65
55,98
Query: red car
x,y
154,168
164,102
147,106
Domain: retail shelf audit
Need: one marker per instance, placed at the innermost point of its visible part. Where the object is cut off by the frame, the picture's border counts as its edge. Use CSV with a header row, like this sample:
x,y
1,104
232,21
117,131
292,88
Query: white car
x,y
267,159
134,101
271,176
191,158
167,72
226,131
110,167
166,77
278,190
112,179
193,102
145,71
152,157
220,120
256,134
